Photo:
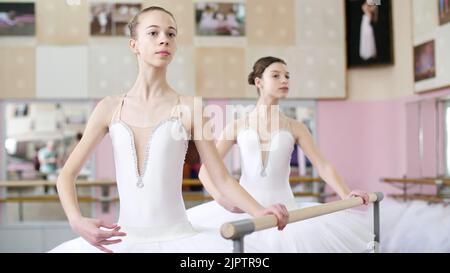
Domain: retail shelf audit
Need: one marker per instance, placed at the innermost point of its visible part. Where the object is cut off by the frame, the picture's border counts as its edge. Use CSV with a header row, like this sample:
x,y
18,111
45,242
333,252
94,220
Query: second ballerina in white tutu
x,y
266,139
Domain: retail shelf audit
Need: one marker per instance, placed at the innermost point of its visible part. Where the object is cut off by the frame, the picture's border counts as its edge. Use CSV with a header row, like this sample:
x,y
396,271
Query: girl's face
x,y
274,81
155,41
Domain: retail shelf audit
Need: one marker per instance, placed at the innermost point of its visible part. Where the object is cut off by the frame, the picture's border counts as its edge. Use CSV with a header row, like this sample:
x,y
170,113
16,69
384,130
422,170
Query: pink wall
x,y
2,150
365,141
432,125
3,133
413,162
428,109
234,153
441,135
222,104
104,162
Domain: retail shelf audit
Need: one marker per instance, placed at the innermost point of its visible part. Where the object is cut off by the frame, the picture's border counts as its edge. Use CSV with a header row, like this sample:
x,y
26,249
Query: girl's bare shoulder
x,y
110,102
106,107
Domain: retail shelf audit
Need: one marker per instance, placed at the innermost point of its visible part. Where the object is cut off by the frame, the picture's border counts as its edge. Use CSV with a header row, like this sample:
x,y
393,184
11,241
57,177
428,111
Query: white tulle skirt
x,y
414,226
187,239
344,231
405,227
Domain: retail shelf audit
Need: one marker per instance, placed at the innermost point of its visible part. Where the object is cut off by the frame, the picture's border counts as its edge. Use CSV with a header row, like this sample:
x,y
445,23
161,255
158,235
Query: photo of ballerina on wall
x,y
369,33
108,19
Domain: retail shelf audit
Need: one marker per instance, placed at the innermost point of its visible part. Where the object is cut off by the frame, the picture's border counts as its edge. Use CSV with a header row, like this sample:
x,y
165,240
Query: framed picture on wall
x,y
444,11
424,61
123,13
17,19
108,19
369,32
101,19
220,19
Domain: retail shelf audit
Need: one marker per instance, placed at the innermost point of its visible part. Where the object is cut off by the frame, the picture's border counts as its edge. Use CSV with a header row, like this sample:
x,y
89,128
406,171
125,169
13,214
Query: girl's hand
x,y
280,211
90,230
362,194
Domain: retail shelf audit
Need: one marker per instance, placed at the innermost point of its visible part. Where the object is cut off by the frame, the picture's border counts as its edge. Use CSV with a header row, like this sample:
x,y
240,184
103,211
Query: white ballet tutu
x,y
198,240
152,211
343,231
414,226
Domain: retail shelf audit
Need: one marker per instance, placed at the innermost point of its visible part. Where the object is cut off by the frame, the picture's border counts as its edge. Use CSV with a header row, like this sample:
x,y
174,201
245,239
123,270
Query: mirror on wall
x,y
444,148
301,110
427,149
428,123
223,111
40,136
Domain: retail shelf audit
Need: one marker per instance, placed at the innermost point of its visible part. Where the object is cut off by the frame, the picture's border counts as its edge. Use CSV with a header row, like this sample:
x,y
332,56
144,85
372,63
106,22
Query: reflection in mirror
x,y
443,143
444,110
303,111
425,140
428,143
224,111
39,137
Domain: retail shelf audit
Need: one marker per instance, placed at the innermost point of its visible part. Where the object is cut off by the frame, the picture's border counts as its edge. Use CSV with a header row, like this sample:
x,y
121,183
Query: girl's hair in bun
x,y
260,66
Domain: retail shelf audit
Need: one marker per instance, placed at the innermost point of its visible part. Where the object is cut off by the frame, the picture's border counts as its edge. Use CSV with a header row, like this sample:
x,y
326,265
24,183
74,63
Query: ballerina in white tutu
x,y
367,44
266,139
150,138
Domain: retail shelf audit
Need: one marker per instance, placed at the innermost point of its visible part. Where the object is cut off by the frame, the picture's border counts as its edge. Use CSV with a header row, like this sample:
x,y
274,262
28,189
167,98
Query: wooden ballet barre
x,y
303,179
292,180
46,199
191,182
93,183
418,196
405,184
236,230
37,183
102,183
420,181
315,195
196,196
200,196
